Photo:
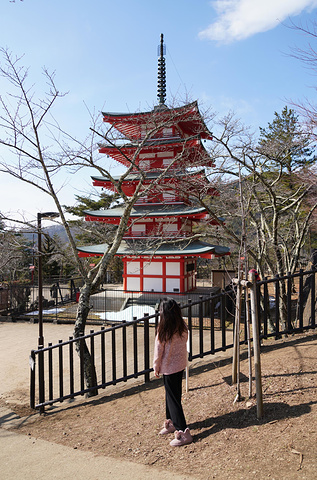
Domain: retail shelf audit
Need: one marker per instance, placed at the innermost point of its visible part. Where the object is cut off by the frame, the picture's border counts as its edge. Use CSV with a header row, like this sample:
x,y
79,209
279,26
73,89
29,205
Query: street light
x,y
45,215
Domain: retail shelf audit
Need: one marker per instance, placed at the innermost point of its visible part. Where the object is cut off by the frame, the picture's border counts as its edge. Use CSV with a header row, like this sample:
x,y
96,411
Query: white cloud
x,y
240,19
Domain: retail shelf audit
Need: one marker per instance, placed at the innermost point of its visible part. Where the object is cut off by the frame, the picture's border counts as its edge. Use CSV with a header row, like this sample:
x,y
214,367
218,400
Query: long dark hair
x,y
171,320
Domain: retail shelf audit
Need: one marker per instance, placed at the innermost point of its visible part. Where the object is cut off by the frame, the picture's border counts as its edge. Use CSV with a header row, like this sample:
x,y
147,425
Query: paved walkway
x,y
22,456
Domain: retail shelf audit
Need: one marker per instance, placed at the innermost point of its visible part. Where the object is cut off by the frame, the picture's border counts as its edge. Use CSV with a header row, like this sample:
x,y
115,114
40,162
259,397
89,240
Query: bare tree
x,y
279,207
39,149
15,251
308,57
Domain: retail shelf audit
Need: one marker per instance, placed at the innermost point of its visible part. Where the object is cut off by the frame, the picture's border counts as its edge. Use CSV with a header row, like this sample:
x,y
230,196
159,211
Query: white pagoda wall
x,y
172,285
159,275
133,284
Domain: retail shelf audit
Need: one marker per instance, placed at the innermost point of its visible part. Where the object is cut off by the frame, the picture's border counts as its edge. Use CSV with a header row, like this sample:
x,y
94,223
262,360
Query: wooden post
x,y
247,326
187,367
236,336
256,347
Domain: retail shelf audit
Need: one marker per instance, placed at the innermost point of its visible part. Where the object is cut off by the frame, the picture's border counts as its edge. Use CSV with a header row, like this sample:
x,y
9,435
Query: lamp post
x,y
40,282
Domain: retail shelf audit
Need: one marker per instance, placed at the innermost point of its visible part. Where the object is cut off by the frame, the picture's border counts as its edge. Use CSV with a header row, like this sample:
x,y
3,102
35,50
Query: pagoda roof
x,y
150,175
154,210
186,118
138,248
193,151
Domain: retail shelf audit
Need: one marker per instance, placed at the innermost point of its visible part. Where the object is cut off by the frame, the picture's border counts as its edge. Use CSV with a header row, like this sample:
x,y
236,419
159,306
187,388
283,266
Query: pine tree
x,y
284,144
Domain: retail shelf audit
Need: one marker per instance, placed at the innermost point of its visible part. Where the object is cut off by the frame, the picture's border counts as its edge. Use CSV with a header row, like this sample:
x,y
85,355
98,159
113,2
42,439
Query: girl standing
x,y
170,360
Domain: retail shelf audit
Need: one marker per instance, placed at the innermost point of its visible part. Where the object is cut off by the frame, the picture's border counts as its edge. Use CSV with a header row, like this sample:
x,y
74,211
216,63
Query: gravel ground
x,y
229,441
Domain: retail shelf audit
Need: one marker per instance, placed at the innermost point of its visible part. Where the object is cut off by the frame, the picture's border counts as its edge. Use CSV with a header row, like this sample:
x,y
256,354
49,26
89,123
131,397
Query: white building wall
x,y
133,268
153,268
133,284
173,268
172,283
155,284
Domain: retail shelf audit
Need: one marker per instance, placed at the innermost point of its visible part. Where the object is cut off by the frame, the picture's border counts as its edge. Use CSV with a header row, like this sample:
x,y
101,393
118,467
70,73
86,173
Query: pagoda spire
x,y
161,74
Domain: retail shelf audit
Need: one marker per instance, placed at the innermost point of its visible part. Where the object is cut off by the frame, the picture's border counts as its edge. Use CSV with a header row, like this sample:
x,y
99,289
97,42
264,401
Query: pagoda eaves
x,y
187,119
191,149
147,211
169,179
133,247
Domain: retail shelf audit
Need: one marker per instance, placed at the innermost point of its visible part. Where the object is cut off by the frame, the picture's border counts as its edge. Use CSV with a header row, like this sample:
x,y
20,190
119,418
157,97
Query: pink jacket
x,y
170,357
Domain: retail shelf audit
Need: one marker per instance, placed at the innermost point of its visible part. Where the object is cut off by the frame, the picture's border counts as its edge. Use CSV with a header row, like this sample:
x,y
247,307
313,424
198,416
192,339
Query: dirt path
x,y
25,456
229,441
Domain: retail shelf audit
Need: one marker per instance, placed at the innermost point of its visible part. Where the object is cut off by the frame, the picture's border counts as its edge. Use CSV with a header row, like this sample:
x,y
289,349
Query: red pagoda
x,y
164,148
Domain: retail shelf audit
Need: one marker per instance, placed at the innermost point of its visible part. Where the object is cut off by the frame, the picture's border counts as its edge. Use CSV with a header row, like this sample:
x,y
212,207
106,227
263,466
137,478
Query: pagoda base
x,y
172,274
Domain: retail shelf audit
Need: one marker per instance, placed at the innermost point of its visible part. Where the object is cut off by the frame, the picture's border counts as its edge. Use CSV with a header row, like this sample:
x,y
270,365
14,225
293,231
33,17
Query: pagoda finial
x,y
161,74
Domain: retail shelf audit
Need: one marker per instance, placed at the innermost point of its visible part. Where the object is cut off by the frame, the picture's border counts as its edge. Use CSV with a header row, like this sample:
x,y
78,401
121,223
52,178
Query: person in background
x,y
170,360
256,274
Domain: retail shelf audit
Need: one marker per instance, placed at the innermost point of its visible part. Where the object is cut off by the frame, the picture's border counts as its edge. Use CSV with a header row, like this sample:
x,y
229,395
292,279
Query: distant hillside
x,y
51,231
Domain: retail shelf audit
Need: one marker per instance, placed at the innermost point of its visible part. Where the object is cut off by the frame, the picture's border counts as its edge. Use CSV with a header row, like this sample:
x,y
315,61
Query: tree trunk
x,y
81,346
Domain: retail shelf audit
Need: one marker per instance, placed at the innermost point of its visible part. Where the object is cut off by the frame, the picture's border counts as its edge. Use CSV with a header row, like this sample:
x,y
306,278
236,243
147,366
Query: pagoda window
x,y
165,154
153,284
172,285
173,268
153,268
190,267
133,284
138,230
133,268
170,228
147,155
146,129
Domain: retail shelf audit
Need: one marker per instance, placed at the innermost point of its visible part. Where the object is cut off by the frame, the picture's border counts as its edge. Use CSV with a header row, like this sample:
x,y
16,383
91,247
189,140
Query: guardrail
x,y
123,352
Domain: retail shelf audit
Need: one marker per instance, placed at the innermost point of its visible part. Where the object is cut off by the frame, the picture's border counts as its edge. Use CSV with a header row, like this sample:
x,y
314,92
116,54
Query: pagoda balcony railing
x,y
171,200
150,236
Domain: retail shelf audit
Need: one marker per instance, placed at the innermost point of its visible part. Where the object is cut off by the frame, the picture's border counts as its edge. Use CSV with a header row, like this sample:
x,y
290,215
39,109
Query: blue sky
x,y
227,54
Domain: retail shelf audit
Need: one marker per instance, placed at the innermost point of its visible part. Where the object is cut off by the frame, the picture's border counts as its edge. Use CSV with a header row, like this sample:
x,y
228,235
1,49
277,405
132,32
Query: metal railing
x,y
59,301
123,352
18,299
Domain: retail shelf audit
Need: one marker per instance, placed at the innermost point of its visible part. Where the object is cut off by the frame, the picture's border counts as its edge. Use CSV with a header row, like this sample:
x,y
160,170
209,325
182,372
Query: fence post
x,y
277,307
32,379
201,327
236,338
135,346
146,348
41,379
289,300
256,347
301,300
190,329
313,300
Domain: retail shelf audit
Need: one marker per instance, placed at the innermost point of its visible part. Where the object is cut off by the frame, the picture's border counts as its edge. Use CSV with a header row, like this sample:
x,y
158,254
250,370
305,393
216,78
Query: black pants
x,y
173,399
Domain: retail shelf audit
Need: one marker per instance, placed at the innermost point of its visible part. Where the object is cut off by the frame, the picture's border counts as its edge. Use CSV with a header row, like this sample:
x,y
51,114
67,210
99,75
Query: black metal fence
x,y
19,300
124,351
60,297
